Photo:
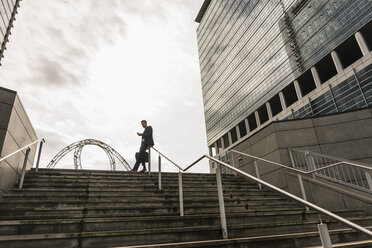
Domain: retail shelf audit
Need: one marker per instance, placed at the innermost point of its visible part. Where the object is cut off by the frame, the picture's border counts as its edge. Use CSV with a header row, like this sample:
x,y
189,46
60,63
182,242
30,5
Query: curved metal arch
x,y
77,157
78,146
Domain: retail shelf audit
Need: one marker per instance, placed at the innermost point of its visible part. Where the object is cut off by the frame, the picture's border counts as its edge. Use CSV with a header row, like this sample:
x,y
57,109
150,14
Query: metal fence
x,y
353,174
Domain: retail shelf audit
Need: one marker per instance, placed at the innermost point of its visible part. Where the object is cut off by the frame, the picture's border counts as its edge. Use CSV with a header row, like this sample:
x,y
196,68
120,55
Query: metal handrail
x,y
268,185
28,147
21,149
345,161
301,171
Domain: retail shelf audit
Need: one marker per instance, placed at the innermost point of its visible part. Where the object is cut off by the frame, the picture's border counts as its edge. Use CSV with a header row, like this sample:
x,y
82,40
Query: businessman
x,y
146,142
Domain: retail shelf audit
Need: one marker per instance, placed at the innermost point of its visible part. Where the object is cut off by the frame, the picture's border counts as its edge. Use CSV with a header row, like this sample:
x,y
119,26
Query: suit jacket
x,y
147,136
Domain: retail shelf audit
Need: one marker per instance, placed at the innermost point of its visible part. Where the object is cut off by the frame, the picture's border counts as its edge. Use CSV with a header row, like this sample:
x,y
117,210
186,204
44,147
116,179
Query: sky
x,y
95,69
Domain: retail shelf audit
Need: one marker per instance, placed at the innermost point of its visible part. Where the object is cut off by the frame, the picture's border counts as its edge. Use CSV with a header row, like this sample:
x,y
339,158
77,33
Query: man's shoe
x,y
132,170
143,170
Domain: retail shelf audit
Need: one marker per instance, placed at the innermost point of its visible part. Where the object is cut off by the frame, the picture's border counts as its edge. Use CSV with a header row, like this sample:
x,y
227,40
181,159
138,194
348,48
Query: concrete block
x,y
5,112
265,145
293,124
326,197
17,130
10,146
24,118
343,117
7,96
352,203
276,178
294,186
352,149
297,138
2,138
266,131
357,129
8,176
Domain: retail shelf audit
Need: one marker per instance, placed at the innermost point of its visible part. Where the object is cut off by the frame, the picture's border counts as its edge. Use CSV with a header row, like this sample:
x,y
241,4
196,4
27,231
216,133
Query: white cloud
x,y
94,69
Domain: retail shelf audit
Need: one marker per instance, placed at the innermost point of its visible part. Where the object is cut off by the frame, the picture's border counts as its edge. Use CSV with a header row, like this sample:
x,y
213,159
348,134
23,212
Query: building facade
x,y
269,60
8,11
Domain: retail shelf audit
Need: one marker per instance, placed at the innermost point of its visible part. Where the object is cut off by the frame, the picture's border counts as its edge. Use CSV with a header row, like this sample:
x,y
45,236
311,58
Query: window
x,y
275,105
290,95
219,145
326,68
306,83
367,34
242,128
252,122
349,52
234,135
226,139
262,114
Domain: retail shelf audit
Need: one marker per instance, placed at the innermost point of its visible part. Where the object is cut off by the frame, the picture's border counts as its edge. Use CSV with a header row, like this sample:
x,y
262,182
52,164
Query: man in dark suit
x,y
147,141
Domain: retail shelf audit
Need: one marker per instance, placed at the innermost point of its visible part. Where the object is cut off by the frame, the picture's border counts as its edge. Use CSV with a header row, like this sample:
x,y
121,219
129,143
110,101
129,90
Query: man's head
x,y
144,123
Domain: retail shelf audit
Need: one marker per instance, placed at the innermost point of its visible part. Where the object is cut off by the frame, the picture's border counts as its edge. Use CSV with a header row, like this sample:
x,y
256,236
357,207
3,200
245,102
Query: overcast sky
x,y
94,69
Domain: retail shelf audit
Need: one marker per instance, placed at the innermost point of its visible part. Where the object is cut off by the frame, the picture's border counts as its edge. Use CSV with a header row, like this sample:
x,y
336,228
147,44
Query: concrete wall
x,y
345,135
16,131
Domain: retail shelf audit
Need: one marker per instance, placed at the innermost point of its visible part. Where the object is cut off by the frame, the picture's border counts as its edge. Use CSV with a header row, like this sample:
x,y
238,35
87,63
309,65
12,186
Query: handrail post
x,y
324,236
149,160
257,173
221,202
291,157
159,172
24,168
39,155
233,163
303,192
369,179
310,161
180,190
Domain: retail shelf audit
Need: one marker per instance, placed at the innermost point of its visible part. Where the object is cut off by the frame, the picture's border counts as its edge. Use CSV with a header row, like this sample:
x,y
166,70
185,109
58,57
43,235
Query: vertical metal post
x,y
39,155
180,189
291,157
302,190
310,162
24,168
159,172
369,179
233,163
221,202
257,173
149,160
324,236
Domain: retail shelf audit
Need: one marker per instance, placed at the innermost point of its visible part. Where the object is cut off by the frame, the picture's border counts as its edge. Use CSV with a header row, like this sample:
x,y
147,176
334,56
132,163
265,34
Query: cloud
x,y
94,69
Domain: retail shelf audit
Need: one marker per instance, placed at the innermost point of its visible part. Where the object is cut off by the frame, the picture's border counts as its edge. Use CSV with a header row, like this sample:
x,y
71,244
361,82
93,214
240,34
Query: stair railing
x,y
28,149
350,173
321,227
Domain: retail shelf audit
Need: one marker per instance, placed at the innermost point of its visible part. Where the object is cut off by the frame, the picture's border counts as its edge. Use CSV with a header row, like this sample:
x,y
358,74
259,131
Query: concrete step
x,y
70,208
141,185
138,200
281,241
33,198
144,209
355,244
71,194
102,173
166,235
73,213
12,227
173,178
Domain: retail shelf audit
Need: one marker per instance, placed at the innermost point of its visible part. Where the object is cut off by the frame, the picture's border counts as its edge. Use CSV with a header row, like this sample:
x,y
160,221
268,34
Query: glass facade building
x,y
8,10
268,60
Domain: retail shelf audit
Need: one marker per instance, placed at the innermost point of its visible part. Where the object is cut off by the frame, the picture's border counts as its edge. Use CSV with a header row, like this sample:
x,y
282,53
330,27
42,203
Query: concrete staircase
x,y
68,208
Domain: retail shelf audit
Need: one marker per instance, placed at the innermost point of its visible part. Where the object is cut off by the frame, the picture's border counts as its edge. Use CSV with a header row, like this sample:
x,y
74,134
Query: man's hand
x,y
139,134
